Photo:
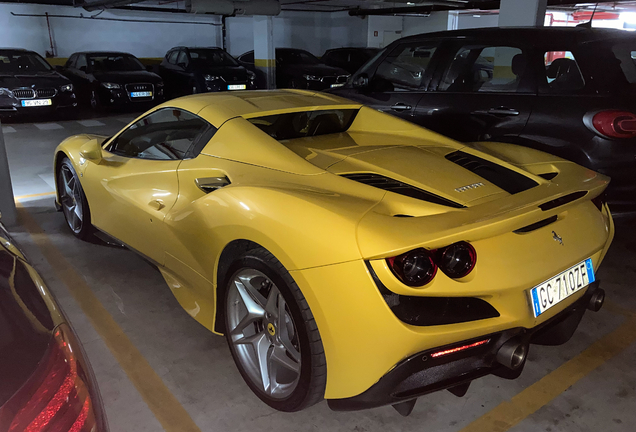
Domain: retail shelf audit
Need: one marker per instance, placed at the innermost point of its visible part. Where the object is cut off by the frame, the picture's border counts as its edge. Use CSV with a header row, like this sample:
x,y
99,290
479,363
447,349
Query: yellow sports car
x,y
344,253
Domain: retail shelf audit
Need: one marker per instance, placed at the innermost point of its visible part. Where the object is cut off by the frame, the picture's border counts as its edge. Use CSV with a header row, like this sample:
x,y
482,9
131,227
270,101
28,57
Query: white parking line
x,y
8,129
48,126
90,123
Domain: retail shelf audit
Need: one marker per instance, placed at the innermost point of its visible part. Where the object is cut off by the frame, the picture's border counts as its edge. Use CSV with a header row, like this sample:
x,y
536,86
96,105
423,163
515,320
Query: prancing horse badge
x,y
557,238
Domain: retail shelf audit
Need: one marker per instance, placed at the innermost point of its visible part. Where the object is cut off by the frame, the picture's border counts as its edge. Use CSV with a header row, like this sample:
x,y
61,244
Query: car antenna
x,y
589,23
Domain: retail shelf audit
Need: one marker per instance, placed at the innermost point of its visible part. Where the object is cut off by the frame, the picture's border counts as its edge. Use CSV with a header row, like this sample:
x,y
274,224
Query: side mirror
x,y
182,65
361,81
83,68
59,68
91,151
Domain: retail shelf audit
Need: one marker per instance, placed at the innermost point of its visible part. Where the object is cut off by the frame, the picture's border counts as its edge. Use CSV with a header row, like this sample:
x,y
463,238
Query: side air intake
x,y
398,187
504,178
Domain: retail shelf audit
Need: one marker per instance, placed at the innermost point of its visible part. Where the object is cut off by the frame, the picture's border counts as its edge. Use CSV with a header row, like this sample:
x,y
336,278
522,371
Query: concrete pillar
x,y
522,13
7,203
264,51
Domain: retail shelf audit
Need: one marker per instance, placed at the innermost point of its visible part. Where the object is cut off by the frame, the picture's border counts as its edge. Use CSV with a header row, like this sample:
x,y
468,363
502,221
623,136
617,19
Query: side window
x,y
247,58
479,68
166,134
562,72
70,63
172,57
81,63
182,59
406,66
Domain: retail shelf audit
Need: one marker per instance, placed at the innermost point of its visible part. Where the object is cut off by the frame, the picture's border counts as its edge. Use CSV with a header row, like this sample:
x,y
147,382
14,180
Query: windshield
x,y
305,123
295,57
212,58
114,63
22,62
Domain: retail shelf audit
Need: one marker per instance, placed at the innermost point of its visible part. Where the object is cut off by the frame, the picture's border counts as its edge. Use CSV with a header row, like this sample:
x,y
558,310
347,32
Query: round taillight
x,y
415,268
458,260
615,124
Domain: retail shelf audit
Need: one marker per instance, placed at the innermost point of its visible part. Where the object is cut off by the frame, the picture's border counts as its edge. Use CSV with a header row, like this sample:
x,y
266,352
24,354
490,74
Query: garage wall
x,y
143,39
383,30
468,21
437,21
314,32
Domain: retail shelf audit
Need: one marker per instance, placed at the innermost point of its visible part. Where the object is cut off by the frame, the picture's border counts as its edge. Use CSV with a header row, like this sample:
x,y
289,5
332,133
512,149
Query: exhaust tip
x,y
597,300
512,354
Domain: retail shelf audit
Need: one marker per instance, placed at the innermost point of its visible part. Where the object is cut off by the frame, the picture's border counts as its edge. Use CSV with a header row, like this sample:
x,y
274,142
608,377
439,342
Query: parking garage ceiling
x,y
383,7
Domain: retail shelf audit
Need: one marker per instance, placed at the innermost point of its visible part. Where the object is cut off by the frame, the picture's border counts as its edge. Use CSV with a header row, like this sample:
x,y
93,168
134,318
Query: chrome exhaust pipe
x,y
512,354
597,300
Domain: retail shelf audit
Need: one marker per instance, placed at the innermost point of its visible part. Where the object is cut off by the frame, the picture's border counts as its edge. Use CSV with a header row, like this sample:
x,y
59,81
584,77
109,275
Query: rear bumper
x,y
421,374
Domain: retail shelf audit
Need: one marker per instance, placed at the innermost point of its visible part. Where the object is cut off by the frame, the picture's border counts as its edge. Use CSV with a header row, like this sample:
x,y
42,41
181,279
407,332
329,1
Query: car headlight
x,y
6,92
211,77
251,75
111,86
67,88
312,78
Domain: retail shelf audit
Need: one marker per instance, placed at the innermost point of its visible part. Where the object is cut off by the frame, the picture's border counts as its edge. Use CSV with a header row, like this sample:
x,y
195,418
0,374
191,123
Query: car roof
x,y
535,34
217,108
103,53
22,50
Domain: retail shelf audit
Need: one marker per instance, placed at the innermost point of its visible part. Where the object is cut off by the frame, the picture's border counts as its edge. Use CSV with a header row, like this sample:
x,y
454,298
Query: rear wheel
x,y
272,333
73,201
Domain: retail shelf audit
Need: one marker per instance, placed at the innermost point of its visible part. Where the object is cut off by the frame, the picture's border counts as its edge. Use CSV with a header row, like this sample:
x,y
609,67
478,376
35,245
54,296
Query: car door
x,y
135,183
400,79
167,73
184,76
481,91
76,71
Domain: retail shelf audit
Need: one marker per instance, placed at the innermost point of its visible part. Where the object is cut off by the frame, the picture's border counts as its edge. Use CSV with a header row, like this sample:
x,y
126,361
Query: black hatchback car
x,y
349,59
111,79
199,70
566,91
28,84
296,68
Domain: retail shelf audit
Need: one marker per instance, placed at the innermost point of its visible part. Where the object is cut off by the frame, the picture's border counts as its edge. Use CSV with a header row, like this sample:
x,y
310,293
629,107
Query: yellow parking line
x,y
509,413
21,197
166,408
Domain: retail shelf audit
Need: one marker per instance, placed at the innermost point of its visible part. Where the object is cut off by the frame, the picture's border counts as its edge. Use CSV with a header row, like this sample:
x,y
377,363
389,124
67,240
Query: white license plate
x,y
561,286
141,94
336,85
236,86
36,102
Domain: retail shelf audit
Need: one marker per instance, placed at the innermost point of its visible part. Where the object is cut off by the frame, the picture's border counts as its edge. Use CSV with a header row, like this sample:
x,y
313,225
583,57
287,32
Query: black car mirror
x,y
182,65
83,68
361,81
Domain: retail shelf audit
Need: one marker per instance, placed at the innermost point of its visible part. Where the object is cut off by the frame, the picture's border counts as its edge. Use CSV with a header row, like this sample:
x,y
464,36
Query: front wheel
x,y
272,333
73,201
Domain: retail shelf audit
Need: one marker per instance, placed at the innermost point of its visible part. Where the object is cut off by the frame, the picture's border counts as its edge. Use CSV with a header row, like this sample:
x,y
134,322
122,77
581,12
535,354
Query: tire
x,y
288,344
73,201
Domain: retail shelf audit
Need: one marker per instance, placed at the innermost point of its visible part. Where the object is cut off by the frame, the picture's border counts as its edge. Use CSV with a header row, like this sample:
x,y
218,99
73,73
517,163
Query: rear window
x,y
625,53
305,123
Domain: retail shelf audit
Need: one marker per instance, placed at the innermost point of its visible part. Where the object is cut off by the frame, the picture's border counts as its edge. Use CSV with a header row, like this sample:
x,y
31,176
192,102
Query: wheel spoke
x,y
273,299
262,347
252,305
67,189
246,280
280,357
78,212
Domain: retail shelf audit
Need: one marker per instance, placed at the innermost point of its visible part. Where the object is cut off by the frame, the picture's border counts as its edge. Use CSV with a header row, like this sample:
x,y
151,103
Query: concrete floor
x,y
197,368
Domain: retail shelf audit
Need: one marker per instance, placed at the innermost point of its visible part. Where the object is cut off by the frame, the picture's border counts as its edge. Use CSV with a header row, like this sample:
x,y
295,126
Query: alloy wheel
x,y
263,333
71,199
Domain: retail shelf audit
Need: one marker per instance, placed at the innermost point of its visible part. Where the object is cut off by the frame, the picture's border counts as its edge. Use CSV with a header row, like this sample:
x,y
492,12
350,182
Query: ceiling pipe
x,y
232,8
107,4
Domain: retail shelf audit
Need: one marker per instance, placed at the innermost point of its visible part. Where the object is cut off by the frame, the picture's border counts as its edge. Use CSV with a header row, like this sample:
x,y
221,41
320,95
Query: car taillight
x,y
615,124
458,260
415,268
58,397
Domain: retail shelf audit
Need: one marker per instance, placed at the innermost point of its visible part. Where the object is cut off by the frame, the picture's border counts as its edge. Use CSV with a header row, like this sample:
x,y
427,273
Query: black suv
x,y
349,59
199,70
566,91
28,84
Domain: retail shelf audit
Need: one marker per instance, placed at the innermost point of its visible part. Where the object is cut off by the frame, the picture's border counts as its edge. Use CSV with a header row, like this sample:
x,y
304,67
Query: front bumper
x,y
122,97
421,373
61,101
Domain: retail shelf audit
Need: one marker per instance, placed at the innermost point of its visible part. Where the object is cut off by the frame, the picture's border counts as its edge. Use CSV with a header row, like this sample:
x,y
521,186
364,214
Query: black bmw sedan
x,y
46,383
296,68
111,79
28,84
201,70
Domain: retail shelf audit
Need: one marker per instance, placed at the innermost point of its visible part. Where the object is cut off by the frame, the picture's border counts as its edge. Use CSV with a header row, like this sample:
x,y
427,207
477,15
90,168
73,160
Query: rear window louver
x,y
398,187
504,178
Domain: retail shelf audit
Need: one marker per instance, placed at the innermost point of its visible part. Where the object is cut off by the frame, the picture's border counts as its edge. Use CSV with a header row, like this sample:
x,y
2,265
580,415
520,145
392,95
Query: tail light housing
x,y
415,268
60,396
613,123
458,260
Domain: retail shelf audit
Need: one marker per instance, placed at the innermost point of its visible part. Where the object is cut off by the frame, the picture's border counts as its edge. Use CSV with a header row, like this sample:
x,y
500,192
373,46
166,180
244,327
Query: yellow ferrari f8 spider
x,y
345,254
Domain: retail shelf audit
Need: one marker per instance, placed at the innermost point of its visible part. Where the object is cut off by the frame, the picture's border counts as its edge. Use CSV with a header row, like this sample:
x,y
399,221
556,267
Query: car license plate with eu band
x,y
141,94
236,86
36,102
561,286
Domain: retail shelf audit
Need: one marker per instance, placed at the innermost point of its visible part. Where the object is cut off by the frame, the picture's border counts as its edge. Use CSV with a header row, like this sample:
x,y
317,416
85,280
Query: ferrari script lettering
x,y
468,187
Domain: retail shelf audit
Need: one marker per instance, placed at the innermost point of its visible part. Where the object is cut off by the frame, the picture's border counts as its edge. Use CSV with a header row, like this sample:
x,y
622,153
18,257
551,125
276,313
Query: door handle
x,y
500,111
210,184
156,204
401,107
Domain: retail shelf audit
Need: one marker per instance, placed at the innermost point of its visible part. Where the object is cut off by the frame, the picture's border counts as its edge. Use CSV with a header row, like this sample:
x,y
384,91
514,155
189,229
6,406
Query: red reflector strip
x,y
52,408
460,348
81,419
